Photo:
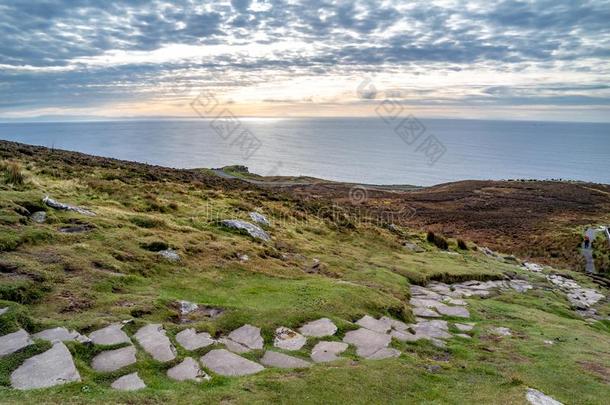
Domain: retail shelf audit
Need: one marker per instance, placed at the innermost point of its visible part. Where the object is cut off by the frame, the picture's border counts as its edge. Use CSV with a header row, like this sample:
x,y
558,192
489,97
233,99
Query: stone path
x,y
281,360
60,334
155,342
12,342
110,335
191,340
188,370
320,328
288,339
327,351
112,360
225,363
129,382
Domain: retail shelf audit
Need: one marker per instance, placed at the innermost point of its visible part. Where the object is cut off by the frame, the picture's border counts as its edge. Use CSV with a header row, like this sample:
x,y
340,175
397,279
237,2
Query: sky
x,y
530,60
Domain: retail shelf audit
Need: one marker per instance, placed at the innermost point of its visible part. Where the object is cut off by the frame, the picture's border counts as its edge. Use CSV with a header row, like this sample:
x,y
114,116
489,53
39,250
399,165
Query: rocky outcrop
x,y
66,207
253,230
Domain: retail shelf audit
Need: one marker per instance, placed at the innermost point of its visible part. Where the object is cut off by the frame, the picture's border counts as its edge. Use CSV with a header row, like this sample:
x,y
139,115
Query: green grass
x,y
113,272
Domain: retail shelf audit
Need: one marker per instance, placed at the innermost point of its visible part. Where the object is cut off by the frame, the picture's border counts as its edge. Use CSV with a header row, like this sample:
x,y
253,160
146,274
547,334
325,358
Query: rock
x,y
464,327
520,286
3,311
319,328
253,230
367,342
549,342
536,397
259,219
463,336
243,257
404,336
501,331
458,312
112,360
413,247
129,382
65,207
191,340
53,367
155,342
431,330
384,353
233,346
226,363
40,217
14,341
382,326
280,360
454,301
327,351
579,297
61,334
249,336
110,335
169,254
536,268
422,292
425,312
288,339
186,307
188,370
76,228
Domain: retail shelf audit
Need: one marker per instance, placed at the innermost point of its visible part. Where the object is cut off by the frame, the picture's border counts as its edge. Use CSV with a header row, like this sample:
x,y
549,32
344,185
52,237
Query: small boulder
x,y
169,254
319,328
501,331
253,230
53,367
288,339
186,307
188,370
536,397
281,360
40,217
129,382
225,363
259,219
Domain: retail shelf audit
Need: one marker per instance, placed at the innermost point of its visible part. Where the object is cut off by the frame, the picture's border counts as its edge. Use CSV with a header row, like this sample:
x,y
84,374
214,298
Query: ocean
x,y
361,150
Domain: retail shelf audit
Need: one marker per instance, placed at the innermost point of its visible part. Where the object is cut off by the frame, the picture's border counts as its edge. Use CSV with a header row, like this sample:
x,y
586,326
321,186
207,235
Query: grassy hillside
x,y
317,265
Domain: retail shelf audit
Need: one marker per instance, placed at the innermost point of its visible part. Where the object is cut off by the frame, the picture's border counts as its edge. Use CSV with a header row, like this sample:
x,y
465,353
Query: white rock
x,y
186,307
281,360
53,367
327,351
129,382
112,360
501,331
188,370
155,342
60,334
259,218
536,397
249,336
536,268
191,340
14,341
464,327
253,230
288,339
169,254
110,335
226,363
319,328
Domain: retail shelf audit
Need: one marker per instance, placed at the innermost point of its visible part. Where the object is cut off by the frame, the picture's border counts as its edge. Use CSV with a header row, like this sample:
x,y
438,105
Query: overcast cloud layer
x,y
511,59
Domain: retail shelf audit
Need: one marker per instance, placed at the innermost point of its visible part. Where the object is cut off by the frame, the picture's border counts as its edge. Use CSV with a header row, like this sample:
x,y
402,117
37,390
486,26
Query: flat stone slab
x,y
233,346
14,341
319,328
188,370
53,367
281,360
60,334
110,335
327,351
254,231
3,311
288,339
249,336
384,353
464,327
112,360
191,340
155,342
501,331
382,325
225,363
458,312
129,382
536,397
425,312
365,338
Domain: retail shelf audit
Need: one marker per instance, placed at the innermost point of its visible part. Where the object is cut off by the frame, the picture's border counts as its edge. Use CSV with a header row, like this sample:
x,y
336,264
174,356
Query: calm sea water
x,y
365,150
